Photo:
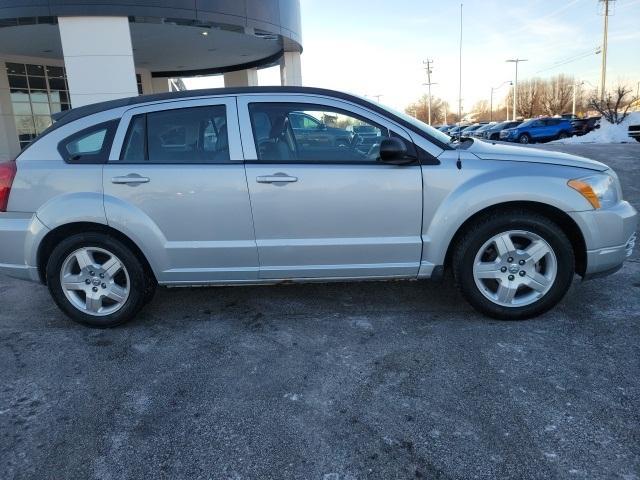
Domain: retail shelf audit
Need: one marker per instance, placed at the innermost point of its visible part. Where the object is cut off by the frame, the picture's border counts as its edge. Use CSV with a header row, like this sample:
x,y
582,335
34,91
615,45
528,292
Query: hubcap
x,y
95,281
515,268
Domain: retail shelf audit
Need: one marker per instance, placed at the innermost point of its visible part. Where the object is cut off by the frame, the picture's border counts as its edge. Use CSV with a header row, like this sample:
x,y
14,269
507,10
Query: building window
x,y
37,92
139,82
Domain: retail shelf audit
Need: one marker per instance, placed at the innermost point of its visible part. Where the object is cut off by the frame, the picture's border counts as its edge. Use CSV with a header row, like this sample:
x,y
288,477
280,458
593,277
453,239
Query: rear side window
x,y
91,145
178,136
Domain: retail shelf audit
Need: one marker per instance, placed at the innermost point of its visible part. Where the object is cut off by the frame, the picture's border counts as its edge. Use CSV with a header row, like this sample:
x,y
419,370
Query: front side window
x,y
290,132
90,145
184,135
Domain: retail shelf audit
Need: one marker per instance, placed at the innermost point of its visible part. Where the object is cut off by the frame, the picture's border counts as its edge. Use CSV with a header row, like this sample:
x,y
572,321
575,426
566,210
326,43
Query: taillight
x,y
7,174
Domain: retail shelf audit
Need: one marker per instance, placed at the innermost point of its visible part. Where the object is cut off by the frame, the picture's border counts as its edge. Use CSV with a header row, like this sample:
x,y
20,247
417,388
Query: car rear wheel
x,y
524,139
563,135
96,280
514,265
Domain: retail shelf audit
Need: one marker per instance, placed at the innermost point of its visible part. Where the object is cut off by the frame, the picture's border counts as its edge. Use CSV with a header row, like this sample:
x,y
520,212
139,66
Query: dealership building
x,y
59,54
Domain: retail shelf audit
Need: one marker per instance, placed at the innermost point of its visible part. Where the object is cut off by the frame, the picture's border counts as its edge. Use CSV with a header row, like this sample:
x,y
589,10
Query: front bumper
x,y
610,236
20,235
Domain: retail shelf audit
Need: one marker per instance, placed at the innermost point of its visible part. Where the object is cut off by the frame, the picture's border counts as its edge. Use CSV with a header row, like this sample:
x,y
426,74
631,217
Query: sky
x,y
376,47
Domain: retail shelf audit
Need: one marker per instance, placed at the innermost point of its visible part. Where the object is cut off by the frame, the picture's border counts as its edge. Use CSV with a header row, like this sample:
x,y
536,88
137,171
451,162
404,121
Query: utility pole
x,y
377,97
428,63
603,71
575,86
515,85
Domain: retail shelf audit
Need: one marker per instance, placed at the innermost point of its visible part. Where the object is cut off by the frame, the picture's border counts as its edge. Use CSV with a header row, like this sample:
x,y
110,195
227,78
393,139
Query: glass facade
x,y
139,83
37,91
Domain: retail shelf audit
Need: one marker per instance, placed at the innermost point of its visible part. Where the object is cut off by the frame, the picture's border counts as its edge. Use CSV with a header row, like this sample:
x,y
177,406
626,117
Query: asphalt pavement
x,y
330,382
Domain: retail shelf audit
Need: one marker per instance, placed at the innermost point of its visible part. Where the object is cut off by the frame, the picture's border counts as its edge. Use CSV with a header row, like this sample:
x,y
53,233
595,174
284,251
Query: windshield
x,y
432,132
529,122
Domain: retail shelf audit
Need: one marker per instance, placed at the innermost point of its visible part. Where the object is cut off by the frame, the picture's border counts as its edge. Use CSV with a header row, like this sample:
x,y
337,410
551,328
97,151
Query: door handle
x,y
131,179
276,178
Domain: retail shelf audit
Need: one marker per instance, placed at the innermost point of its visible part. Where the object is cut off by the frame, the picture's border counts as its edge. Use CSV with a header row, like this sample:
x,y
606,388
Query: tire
x,y
468,262
524,139
111,288
563,135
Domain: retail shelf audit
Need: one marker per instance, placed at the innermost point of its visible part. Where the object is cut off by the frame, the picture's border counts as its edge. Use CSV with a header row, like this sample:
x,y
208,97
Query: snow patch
x,y
607,133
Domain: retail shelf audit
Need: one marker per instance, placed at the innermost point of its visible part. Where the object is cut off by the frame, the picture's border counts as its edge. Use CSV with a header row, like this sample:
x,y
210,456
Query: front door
x,y
328,209
177,186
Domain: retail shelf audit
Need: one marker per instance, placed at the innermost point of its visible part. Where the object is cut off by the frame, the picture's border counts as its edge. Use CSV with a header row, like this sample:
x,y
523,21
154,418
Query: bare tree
x,y
557,96
480,111
419,110
529,92
615,106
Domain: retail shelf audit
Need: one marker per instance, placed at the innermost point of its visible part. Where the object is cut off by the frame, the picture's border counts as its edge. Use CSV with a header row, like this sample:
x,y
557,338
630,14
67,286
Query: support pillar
x,y
241,78
98,57
291,69
160,85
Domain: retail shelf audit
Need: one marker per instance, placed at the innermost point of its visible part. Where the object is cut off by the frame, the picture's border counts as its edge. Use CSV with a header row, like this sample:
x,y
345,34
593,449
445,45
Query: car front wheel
x,y
514,265
524,139
96,280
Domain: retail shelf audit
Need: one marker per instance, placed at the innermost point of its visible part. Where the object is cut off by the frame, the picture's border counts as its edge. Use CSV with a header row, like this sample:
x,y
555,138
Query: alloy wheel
x,y
515,268
95,281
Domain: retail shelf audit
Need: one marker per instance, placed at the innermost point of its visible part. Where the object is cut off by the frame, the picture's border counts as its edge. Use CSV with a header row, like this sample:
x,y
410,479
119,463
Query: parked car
x,y
446,128
480,132
455,131
493,133
538,130
468,132
213,187
634,132
582,126
311,130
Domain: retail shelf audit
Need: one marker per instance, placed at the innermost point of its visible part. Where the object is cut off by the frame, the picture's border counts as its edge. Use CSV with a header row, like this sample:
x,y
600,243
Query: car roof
x,y
68,116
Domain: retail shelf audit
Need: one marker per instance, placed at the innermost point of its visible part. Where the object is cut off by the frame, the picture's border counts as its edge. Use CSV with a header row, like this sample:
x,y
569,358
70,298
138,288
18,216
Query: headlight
x,y
600,190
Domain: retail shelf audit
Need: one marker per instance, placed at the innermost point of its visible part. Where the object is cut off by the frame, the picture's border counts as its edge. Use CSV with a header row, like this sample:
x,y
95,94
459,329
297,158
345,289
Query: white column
x,y
291,69
98,57
9,145
159,85
241,78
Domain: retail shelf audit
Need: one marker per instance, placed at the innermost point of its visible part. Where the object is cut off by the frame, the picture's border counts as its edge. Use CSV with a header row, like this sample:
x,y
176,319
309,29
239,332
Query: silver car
x,y
215,187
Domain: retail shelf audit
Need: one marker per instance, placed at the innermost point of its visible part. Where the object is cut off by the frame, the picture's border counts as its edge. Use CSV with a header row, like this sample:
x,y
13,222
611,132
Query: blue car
x,y
493,132
538,130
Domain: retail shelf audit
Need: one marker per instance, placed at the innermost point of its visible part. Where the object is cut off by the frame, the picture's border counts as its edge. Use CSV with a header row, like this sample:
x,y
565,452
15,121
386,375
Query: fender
x,y
72,208
482,184
137,226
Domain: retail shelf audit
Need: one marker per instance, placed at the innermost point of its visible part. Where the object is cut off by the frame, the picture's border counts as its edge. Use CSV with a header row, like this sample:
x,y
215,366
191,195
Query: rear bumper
x,y
20,235
610,237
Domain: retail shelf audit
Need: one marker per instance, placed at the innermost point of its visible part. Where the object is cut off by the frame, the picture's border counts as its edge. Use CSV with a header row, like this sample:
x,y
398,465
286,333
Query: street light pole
x,y
491,99
515,85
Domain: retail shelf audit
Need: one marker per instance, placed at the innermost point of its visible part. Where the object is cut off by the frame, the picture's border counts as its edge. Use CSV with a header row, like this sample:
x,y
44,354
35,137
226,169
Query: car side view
x,y
538,130
231,187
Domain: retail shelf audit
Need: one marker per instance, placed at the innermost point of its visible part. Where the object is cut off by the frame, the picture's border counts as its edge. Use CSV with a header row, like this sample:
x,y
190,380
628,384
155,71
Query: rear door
x,y
175,182
331,210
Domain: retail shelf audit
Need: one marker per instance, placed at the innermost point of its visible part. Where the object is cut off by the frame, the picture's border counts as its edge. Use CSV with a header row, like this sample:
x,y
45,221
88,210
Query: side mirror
x,y
394,151
322,126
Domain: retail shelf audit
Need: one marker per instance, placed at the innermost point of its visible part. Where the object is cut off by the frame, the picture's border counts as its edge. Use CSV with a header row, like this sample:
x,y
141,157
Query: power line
x,y
573,58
